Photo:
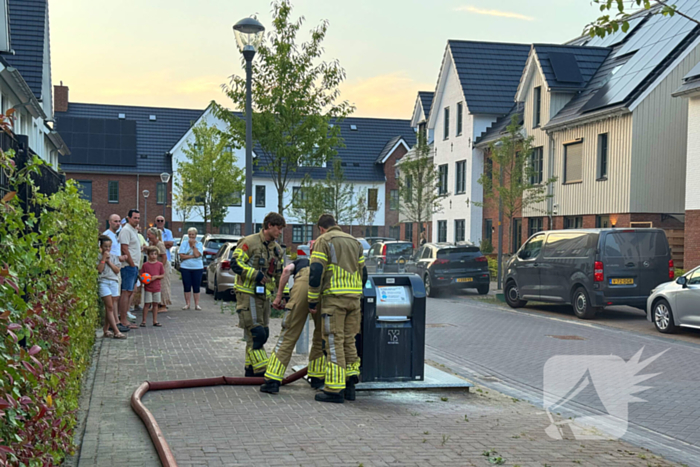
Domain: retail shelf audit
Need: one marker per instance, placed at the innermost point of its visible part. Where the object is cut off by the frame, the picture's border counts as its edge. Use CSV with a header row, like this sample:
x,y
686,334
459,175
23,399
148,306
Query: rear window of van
x,y
635,243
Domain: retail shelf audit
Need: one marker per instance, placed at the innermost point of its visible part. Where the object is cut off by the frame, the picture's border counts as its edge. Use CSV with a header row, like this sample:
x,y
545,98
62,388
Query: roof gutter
x,y
603,114
694,88
56,139
21,88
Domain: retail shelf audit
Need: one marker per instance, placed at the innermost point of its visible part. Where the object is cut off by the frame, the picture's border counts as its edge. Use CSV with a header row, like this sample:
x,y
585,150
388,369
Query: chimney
x,y
60,98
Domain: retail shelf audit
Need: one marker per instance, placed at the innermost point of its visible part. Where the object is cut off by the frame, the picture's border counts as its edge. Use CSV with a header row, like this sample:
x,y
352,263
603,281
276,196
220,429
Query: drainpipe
x,y
137,192
550,187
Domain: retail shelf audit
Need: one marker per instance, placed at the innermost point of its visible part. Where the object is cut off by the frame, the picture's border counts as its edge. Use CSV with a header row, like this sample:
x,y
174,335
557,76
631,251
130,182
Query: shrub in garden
x,y
48,314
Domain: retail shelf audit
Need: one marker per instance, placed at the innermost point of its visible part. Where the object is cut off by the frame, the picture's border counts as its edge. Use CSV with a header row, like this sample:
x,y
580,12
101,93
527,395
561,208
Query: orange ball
x,y
145,278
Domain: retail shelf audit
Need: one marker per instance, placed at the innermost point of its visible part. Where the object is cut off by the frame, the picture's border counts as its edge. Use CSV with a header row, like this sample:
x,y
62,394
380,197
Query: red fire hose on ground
x,y
164,453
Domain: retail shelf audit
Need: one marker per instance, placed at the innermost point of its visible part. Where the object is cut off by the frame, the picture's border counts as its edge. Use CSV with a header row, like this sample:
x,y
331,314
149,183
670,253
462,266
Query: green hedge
x,y
48,315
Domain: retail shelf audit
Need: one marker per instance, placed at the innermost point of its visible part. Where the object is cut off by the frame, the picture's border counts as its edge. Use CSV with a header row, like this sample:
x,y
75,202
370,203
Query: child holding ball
x,y
152,288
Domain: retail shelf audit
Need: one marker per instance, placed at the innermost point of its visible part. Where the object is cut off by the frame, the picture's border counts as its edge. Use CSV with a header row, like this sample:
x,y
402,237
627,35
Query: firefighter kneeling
x,y
336,274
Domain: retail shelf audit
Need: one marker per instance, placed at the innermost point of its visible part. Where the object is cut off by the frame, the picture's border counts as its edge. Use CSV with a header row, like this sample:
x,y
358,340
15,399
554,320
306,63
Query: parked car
x,y
174,248
373,240
304,250
676,304
176,257
446,265
365,246
220,276
212,243
388,256
589,268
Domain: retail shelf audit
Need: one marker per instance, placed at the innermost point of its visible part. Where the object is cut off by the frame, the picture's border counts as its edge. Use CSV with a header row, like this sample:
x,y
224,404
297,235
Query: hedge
x,y
48,314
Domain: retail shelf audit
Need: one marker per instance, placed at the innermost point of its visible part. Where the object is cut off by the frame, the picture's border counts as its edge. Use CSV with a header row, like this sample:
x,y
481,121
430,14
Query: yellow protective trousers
x,y
254,319
292,326
341,323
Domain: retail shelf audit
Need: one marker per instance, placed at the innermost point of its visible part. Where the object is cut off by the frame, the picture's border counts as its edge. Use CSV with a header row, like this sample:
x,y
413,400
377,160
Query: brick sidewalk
x,y
227,425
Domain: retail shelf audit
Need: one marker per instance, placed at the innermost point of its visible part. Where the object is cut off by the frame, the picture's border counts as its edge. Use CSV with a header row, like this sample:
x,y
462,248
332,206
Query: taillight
x,y
481,259
671,270
225,265
384,250
301,252
441,261
598,275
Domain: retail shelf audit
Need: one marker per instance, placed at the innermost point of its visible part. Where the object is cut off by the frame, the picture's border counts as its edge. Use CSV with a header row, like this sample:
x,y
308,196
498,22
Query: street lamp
x,y
165,178
249,34
145,214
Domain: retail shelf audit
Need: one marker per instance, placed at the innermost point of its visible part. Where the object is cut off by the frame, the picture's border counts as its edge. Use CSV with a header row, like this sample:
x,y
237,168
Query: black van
x,y
589,268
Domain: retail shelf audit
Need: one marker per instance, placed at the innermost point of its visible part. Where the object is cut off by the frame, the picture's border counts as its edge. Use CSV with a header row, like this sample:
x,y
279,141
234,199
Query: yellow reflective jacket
x,y
340,257
251,257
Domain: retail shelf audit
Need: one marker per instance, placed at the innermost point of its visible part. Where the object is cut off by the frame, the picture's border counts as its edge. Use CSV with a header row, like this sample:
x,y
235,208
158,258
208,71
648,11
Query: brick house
x,y
119,151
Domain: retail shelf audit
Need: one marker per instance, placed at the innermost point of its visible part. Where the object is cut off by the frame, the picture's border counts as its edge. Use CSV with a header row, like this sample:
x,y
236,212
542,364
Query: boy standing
x,y
152,289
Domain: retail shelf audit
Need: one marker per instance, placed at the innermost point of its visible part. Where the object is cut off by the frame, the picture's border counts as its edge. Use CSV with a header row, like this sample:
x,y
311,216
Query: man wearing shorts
x,y
131,248
116,253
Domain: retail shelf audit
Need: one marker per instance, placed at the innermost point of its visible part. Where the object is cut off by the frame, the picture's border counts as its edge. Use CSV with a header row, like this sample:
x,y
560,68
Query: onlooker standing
x,y
116,253
108,286
136,300
131,248
152,288
191,267
168,241
154,239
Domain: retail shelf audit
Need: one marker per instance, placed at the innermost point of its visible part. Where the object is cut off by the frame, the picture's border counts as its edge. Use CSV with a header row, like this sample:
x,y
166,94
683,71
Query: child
x,y
152,289
108,283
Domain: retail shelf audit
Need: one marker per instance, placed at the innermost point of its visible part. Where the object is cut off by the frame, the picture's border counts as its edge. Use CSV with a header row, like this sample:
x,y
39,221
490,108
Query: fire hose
x,y
164,453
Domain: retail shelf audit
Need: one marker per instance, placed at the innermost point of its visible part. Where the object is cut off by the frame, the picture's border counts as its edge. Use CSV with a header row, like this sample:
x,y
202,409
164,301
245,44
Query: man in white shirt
x,y
168,239
131,249
116,251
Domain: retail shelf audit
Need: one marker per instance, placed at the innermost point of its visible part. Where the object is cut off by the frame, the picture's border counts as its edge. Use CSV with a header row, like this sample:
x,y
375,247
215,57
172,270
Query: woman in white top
x,y
191,267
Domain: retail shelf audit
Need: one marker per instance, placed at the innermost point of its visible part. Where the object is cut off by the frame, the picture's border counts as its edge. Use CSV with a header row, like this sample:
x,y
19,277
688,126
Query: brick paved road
x,y
507,350
227,426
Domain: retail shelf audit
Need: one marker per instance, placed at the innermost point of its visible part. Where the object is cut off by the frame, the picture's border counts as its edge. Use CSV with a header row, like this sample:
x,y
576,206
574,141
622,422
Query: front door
x,y
527,268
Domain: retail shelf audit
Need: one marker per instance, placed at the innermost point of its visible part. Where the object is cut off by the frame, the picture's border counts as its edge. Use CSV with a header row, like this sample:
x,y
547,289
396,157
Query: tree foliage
x,y
417,182
338,194
209,177
295,101
363,214
520,188
609,23
307,202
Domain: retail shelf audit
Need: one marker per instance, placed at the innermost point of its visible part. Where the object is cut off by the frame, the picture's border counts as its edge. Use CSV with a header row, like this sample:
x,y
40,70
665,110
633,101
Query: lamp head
x,y
164,177
249,34
146,193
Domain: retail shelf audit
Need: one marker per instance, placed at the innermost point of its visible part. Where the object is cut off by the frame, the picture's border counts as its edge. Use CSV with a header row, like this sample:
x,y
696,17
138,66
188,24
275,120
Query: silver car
x,y
676,304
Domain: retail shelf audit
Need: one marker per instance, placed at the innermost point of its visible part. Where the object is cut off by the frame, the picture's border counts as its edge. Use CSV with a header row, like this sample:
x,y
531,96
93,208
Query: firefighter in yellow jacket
x,y
257,260
336,274
297,310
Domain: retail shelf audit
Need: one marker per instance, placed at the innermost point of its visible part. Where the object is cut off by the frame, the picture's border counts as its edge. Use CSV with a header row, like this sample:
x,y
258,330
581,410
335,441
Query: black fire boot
x,y
350,388
336,398
316,383
249,372
271,386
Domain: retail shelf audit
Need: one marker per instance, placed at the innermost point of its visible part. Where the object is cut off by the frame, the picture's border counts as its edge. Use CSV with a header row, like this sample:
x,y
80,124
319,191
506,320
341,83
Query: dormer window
x,y
536,106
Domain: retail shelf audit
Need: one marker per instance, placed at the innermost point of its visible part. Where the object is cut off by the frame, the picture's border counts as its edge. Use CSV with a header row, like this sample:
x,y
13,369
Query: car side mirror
x,y
682,281
524,254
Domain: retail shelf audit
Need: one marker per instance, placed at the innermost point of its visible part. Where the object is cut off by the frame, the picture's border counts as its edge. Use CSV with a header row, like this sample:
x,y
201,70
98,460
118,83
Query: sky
x,y
178,53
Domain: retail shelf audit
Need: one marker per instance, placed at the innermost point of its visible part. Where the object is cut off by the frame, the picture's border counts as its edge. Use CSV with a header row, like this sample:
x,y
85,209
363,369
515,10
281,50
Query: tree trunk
x,y
280,201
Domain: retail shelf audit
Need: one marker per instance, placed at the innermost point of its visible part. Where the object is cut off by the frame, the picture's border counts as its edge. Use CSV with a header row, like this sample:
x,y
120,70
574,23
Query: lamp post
x,y
165,178
145,213
249,34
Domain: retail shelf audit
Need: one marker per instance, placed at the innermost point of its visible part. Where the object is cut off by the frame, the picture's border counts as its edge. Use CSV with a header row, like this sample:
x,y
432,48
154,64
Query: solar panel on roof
x,y
565,67
615,38
99,141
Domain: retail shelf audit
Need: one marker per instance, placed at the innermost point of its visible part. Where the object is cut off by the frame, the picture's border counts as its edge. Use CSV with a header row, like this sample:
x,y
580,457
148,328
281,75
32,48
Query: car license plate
x,y
622,281
465,279
402,261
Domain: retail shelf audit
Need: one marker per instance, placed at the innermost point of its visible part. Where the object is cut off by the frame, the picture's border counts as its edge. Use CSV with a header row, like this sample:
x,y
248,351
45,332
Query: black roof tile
x,y
426,100
27,26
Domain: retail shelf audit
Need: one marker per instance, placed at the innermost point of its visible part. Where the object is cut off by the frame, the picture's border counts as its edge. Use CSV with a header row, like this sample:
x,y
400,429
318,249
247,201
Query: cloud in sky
x,y
499,13
390,95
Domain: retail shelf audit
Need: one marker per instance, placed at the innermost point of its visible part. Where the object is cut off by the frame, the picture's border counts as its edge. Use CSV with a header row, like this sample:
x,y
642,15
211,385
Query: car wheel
x,y
663,317
217,295
483,289
429,289
582,304
512,295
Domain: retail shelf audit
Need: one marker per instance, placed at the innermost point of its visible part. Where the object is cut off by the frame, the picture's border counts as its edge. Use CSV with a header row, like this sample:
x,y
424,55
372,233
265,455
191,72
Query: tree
x,y
294,101
606,24
366,207
209,177
183,202
418,180
307,202
338,194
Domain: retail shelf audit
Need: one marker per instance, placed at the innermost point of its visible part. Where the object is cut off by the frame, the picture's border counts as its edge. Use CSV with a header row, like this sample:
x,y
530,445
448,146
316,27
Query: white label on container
x,y
390,280
396,294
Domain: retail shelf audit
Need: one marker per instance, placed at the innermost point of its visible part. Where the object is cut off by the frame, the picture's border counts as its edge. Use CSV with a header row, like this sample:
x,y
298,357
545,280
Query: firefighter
x,y
297,310
257,260
336,274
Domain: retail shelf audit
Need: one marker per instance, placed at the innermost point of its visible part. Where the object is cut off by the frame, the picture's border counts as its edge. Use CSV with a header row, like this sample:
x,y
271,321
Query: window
x,y
395,232
85,187
536,106
517,234
259,196
372,202
237,199
442,231
602,222
160,193
602,169
302,233
575,222
442,181
567,245
694,278
459,230
372,231
488,167
573,163
447,122
409,188
408,230
113,191
532,249
488,231
257,228
460,177
536,163
297,195
534,225
394,200
427,253
230,228
460,111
